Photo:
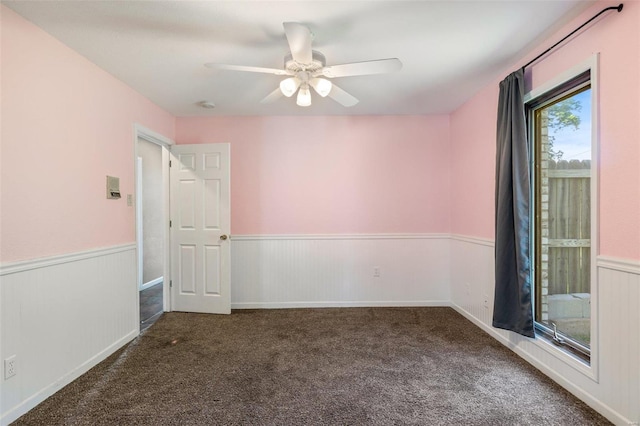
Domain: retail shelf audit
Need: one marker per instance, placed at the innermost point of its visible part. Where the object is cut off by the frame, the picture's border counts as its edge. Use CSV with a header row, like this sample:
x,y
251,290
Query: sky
x,y
576,144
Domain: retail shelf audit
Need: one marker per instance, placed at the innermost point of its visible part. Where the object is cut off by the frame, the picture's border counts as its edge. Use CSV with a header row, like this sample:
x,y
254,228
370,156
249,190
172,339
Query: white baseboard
x,y
49,390
580,393
83,301
151,283
611,384
341,304
281,272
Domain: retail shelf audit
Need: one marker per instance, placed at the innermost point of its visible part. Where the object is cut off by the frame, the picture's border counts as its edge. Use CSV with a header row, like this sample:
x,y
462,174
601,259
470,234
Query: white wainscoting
x,y
302,271
63,315
615,390
60,317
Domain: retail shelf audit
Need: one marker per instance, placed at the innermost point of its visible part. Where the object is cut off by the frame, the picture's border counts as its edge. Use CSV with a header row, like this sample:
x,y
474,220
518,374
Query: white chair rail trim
x,y
618,264
338,237
27,265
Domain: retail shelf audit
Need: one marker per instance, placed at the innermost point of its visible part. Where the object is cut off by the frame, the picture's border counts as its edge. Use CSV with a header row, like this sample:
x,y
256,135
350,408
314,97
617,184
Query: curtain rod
x,y
618,8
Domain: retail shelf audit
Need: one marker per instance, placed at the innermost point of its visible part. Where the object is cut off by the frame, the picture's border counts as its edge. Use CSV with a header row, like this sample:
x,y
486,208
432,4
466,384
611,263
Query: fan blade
x,y
380,66
342,97
299,38
247,69
272,97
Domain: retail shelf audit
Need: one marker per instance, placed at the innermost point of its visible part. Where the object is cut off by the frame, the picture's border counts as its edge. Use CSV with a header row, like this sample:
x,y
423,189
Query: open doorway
x,y
152,204
149,212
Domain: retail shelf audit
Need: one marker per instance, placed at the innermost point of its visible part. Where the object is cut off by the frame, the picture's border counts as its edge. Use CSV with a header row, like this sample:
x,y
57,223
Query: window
x,y
562,223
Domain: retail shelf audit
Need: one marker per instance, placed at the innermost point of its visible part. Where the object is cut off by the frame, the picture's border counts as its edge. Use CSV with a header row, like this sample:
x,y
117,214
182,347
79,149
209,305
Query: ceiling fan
x,y
306,68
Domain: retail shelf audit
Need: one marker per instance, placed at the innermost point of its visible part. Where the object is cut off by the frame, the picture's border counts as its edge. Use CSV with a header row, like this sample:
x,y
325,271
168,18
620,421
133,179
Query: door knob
x,y
223,237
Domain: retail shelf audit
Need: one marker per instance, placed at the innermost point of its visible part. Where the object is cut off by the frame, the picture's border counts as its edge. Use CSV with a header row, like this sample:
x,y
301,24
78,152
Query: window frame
x,y
567,90
536,98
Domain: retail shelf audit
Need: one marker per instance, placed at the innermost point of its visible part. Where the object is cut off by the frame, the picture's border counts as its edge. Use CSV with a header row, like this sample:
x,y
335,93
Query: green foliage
x,y
562,114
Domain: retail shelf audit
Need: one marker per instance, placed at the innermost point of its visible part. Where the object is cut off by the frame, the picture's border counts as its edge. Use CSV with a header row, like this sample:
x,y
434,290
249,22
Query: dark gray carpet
x,y
421,366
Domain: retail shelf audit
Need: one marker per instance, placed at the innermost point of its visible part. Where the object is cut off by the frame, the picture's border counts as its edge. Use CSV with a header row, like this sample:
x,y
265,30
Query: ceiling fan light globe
x,y
288,86
322,86
304,97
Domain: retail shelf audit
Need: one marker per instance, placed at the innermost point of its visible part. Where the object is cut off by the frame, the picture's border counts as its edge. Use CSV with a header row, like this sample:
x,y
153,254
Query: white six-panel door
x,y
200,226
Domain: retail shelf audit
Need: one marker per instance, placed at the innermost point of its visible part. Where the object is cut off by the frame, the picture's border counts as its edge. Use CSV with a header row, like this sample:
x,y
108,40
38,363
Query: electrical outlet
x,y
486,301
467,287
376,271
10,367
129,200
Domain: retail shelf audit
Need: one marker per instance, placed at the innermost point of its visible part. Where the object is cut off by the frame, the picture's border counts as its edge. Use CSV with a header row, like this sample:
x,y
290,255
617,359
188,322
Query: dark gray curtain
x,y
512,307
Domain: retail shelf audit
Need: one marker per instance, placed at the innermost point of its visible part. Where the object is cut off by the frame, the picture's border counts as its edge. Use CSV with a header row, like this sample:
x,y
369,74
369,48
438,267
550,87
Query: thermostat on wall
x,y
113,187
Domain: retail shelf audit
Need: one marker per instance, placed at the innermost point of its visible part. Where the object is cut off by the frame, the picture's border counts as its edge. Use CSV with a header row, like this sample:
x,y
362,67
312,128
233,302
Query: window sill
x,y
589,370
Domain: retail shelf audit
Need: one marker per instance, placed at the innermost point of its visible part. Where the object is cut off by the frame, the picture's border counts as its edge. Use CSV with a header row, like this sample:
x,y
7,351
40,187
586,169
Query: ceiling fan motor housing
x,y
316,64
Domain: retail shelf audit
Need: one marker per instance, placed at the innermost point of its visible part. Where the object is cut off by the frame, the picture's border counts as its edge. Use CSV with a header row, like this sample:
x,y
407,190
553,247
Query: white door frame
x,y
139,220
141,132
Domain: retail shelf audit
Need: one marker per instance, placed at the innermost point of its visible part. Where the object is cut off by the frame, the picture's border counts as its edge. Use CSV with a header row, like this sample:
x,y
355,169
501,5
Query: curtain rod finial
x,y
620,6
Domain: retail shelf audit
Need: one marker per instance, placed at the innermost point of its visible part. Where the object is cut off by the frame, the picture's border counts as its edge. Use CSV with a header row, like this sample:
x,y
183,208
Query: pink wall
x,y
617,38
332,175
66,124
473,159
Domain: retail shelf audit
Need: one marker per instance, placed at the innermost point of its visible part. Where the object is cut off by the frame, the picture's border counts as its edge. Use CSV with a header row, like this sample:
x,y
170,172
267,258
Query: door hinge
x,y
169,163
170,224
170,283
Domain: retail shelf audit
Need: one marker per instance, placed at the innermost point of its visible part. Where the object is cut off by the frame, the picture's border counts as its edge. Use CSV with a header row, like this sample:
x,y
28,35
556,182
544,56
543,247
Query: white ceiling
x,y
450,49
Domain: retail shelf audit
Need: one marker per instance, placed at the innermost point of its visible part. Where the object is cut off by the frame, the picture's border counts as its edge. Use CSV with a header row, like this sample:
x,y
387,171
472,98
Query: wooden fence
x,y
569,222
